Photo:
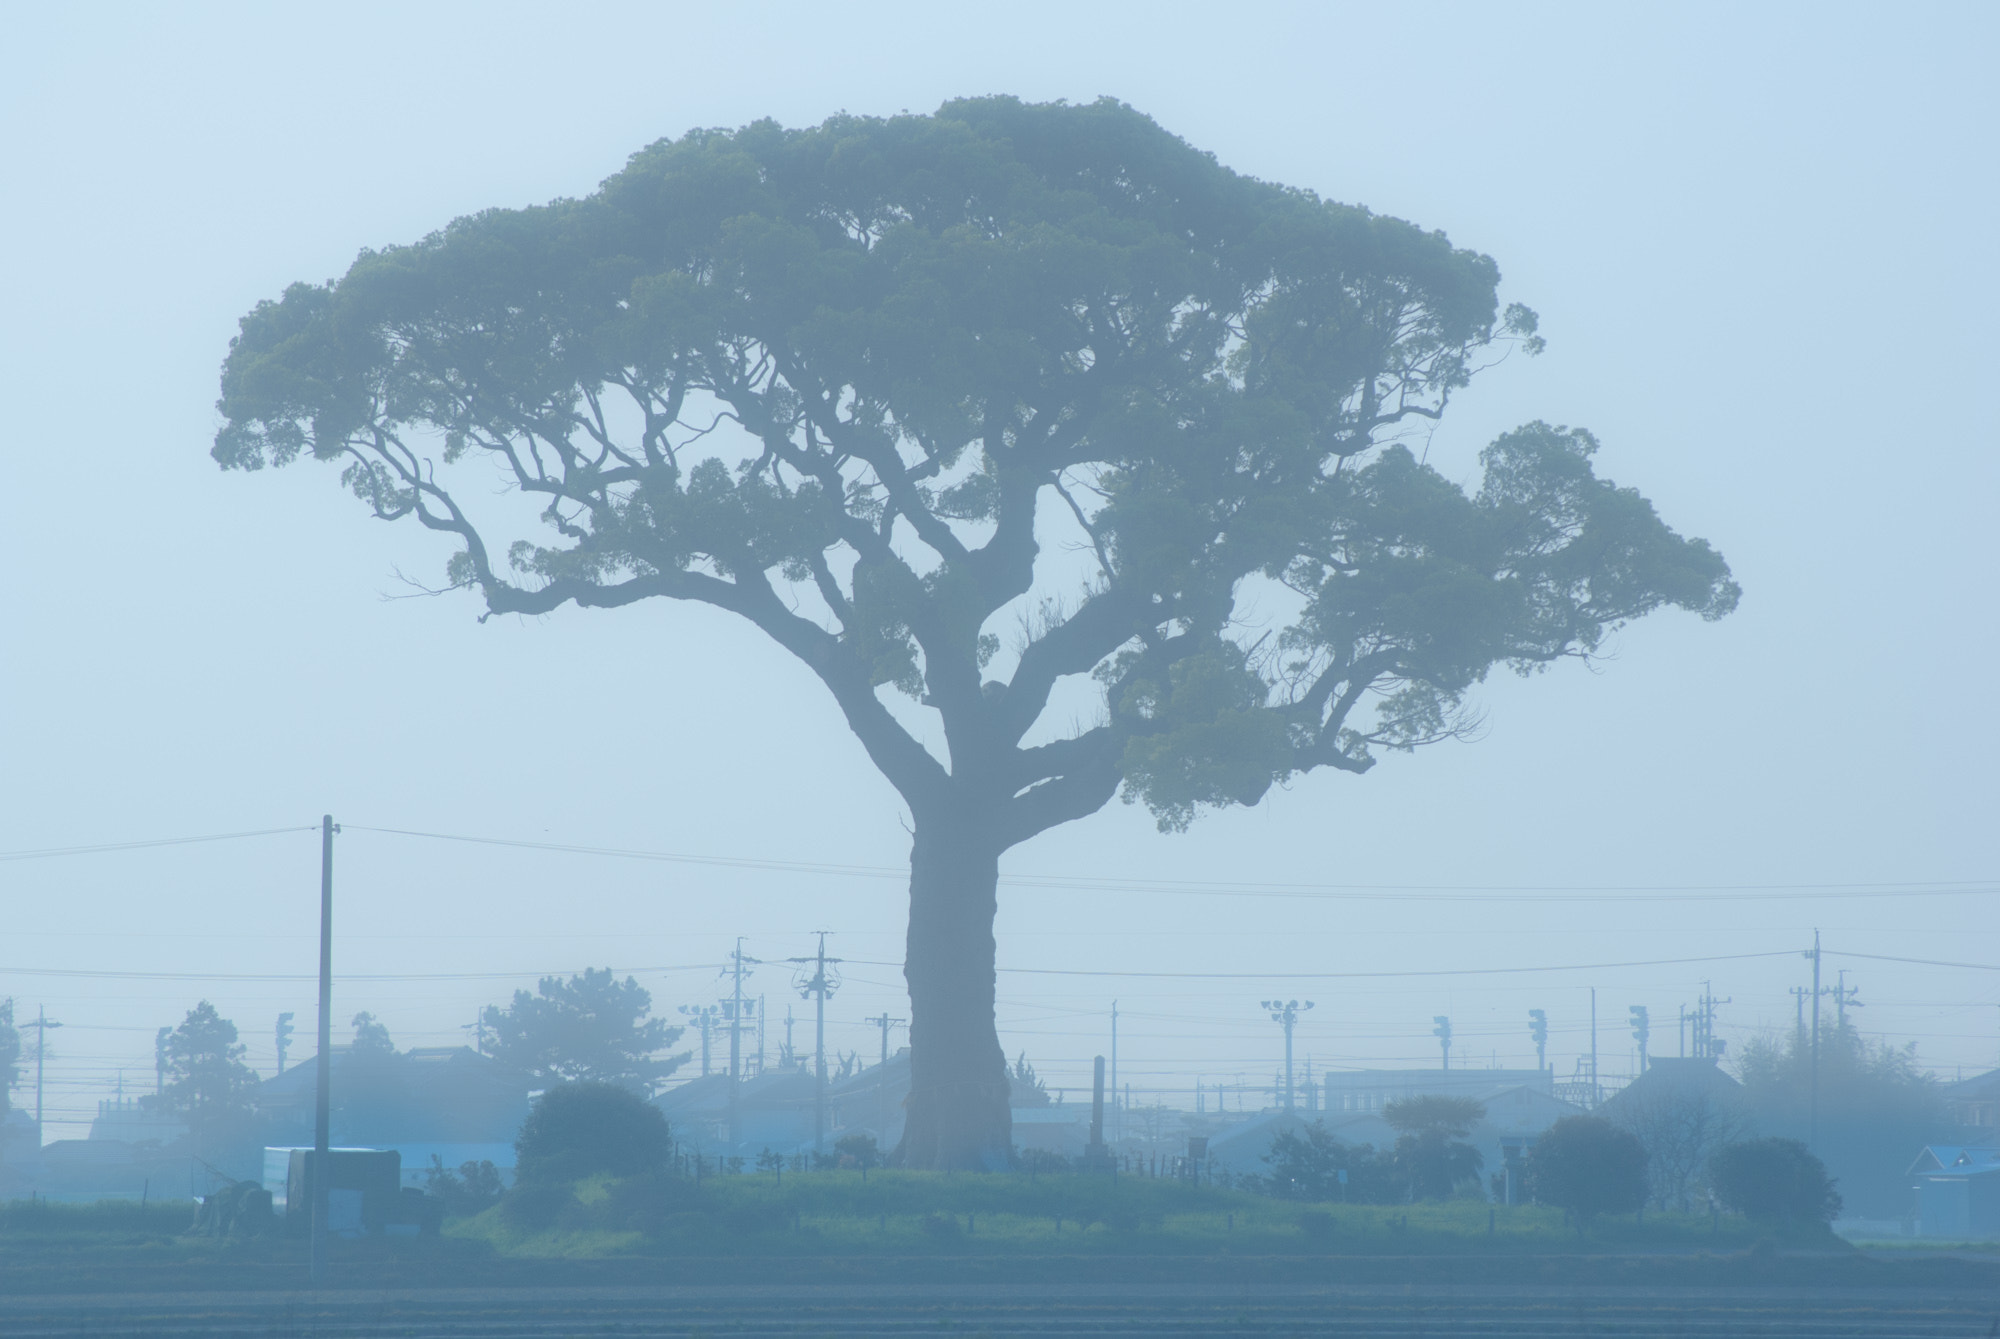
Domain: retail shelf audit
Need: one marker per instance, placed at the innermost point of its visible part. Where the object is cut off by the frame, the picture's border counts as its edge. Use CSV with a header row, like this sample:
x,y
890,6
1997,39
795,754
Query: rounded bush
x,y
1773,1181
582,1129
1589,1166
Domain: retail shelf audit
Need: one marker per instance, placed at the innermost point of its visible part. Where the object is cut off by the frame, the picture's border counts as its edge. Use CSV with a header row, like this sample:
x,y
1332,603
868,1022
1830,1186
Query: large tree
x,y
890,389
207,1083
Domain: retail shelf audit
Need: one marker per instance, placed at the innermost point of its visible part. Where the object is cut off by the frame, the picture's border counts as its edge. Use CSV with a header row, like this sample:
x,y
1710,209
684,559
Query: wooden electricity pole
x,y
323,1064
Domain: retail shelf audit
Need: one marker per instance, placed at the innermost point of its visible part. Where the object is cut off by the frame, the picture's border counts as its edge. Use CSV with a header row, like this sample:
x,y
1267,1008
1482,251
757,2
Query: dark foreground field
x,y
818,1258
1104,1307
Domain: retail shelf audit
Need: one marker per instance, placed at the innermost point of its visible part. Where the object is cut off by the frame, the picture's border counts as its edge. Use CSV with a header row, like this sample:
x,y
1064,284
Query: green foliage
x,y
1025,1087
207,1084
838,1213
1306,1163
473,1188
857,1150
1877,1108
583,1129
1430,1150
590,1028
920,330
1774,1181
1589,1167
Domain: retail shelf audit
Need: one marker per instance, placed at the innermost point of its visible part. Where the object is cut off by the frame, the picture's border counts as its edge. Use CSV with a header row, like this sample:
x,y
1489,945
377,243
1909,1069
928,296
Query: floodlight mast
x,y
1286,1013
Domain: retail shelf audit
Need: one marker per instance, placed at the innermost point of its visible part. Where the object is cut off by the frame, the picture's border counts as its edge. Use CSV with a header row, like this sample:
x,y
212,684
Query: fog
x,y
1758,239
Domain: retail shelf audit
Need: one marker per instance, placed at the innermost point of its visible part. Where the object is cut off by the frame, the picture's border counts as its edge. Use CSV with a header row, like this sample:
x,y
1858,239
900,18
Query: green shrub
x,y
1588,1166
1774,1181
582,1129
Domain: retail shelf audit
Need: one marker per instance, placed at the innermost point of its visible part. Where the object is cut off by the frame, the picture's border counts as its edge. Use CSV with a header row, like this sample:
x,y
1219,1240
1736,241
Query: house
x,y
1975,1101
1958,1191
432,1105
773,1109
1372,1089
1674,1080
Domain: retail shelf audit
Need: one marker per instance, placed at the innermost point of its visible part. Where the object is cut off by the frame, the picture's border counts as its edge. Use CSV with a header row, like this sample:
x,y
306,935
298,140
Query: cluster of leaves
x,y
590,1027
1430,1151
1876,1108
207,1085
1775,1181
1587,1166
586,1129
1430,1159
825,378
473,1188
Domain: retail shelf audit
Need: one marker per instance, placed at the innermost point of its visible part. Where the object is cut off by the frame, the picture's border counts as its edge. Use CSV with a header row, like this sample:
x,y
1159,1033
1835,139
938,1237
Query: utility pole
x,y
1683,1031
884,1022
1538,1028
1798,994
1701,1025
41,1026
703,1016
284,1039
1117,1125
477,1027
1812,1105
1641,1029
817,987
323,1063
1443,1033
738,960
791,1056
1843,1000
1594,1091
160,1060
1285,1013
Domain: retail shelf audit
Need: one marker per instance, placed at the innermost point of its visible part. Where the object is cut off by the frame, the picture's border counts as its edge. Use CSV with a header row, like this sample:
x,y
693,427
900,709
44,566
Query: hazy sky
x,y
1761,241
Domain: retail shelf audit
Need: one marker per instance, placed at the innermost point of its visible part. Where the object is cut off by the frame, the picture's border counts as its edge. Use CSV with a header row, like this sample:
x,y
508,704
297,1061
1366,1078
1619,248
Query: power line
x,y
1328,891
106,974
1921,962
1533,892
1350,976
49,852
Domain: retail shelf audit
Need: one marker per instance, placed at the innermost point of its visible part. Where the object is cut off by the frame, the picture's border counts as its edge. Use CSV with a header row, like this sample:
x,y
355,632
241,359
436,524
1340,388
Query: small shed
x,y
1958,1191
363,1189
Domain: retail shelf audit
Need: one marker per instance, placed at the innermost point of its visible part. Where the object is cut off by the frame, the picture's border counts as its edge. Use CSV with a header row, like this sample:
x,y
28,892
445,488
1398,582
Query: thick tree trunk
x,y
958,1116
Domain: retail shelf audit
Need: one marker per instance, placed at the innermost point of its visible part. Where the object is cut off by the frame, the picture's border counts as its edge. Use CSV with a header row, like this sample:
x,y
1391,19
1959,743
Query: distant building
x,y
432,1104
773,1110
1358,1090
1958,1191
1974,1102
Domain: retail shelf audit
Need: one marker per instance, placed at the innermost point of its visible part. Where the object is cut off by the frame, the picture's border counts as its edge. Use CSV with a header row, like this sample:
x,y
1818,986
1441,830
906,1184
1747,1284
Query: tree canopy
x,y
207,1084
1589,1166
1876,1106
1071,462
924,330
591,1027
1431,1152
1774,1180
579,1129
